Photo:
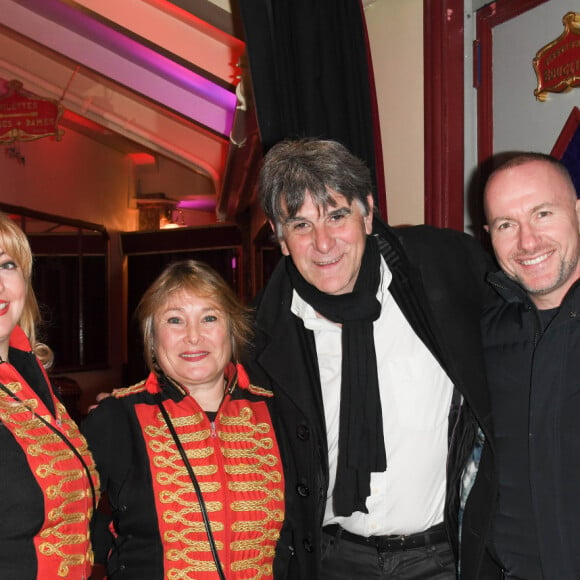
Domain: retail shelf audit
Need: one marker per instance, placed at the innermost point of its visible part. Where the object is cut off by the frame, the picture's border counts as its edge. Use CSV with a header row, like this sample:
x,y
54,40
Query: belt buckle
x,y
400,541
388,543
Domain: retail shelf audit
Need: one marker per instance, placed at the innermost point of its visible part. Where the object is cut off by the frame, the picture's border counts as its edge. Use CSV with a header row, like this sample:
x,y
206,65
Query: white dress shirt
x,y
415,393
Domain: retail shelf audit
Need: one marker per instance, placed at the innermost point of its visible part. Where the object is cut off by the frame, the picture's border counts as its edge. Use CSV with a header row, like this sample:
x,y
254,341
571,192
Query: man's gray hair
x,y
294,168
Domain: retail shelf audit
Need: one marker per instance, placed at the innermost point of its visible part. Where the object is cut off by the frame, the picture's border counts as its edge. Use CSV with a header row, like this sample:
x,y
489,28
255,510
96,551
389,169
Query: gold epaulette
x,y
126,391
260,391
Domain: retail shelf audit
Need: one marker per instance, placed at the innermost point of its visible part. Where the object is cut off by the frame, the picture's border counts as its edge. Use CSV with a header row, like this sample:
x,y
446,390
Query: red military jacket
x,y
48,480
156,524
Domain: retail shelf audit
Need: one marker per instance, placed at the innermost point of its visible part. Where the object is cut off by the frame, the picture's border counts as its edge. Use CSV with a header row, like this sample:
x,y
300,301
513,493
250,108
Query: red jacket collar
x,y
19,340
235,376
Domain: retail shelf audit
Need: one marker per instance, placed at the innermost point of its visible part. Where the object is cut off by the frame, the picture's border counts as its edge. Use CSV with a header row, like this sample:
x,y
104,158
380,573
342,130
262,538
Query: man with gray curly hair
x,y
369,338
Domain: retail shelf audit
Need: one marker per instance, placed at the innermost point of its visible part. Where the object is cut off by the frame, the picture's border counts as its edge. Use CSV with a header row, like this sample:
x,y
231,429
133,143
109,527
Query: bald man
x,y
532,346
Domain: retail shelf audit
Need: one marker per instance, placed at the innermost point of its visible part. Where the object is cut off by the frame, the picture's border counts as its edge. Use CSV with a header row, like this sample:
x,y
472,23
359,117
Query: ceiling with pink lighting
x,y
148,77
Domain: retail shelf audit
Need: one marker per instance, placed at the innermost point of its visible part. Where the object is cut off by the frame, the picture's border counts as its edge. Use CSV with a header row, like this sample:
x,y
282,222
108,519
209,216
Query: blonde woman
x,y
48,481
189,458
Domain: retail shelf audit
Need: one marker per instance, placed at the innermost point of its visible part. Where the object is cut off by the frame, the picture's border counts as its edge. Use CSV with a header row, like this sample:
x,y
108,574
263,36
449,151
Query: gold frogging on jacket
x,y
244,444
67,505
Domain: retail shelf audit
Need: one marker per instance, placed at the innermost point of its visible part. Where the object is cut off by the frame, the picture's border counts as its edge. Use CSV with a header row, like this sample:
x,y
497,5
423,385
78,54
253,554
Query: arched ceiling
x,y
144,76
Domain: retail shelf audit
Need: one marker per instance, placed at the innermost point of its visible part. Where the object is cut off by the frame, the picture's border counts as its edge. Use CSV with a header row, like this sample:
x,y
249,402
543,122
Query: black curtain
x,y
311,75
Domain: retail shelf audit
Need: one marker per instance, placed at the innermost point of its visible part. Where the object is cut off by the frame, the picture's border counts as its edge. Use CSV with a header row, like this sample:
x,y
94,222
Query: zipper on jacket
x,y
455,424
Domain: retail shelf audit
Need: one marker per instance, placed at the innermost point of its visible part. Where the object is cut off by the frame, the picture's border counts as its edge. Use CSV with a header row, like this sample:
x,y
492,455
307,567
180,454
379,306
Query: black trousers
x,y
346,560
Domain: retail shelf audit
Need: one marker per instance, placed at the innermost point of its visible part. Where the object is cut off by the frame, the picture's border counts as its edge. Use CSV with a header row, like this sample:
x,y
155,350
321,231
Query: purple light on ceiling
x,y
140,55
199,204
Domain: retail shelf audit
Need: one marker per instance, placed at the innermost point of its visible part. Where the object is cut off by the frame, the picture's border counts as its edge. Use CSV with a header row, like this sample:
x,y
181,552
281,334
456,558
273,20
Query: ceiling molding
x,y
149,71
109,53
182,34
115,109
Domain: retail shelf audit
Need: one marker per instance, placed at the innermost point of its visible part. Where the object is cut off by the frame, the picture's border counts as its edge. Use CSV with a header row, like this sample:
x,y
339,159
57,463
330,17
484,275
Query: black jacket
x,y
438,282
534,381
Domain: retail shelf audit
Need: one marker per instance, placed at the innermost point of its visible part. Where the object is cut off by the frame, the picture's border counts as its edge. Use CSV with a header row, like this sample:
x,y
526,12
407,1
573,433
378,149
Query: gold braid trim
x,y
126,391
175,517
196,567
258,525
175,478
272,476
255,544
168,496
244,469
191,454
193,545
252,462
190,437
258,505
260,391
244,420
63,519
15,387
264,570
246,449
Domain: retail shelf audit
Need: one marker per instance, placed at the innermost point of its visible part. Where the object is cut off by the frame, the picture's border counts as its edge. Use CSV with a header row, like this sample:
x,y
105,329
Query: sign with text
x,y
557,64
25,116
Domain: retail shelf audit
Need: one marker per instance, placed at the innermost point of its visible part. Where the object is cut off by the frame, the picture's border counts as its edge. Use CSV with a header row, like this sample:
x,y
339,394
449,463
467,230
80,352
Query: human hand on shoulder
x,y
100,397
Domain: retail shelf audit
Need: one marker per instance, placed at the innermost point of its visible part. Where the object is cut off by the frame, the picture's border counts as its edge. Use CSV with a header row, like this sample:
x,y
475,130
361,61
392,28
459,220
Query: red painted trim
x,y
443,78
483,83
570,127
502,11
487,18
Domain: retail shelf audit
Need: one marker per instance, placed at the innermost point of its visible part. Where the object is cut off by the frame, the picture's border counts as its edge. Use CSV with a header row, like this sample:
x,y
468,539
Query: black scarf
x,y
361,446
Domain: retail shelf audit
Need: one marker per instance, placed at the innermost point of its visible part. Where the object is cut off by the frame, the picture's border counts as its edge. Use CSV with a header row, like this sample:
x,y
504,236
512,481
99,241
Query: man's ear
x,y
283,246
578,211
368,219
